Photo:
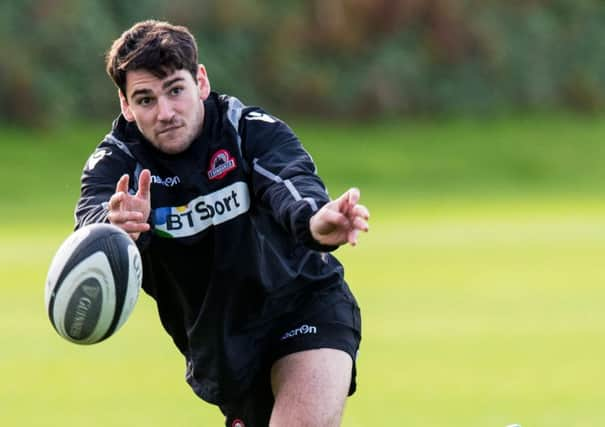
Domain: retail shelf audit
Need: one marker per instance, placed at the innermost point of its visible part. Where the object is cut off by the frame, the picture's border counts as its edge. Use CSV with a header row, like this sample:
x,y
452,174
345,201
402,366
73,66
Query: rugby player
x,y
235,230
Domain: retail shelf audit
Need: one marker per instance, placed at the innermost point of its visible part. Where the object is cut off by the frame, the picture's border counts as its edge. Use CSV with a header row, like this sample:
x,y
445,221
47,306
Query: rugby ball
x,y
93,283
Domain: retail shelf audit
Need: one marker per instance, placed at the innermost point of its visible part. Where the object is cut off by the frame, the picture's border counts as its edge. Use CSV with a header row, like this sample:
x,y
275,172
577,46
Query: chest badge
x,y
221,163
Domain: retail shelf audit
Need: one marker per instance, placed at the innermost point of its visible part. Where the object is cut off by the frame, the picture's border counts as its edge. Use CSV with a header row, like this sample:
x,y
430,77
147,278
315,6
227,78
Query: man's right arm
x,y
98,183
130,211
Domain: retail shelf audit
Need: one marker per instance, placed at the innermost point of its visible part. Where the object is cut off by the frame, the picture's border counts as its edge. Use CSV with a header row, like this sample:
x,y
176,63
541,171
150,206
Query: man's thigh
x,y
311,382
325,333
310,388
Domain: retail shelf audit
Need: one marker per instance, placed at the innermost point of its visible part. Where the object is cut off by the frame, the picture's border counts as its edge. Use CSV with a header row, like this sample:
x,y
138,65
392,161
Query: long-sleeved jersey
x,y
229,250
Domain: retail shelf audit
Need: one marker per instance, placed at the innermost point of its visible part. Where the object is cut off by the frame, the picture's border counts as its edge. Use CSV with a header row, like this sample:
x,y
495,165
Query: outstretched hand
x,y
130,212
340,220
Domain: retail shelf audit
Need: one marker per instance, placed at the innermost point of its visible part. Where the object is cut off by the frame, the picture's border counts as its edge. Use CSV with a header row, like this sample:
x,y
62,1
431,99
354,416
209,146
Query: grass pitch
x,y
480,308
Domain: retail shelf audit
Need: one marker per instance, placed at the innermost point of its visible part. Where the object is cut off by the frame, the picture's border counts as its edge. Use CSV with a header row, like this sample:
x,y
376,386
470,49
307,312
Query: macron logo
x,y
96,157
255,115
302,330
170,181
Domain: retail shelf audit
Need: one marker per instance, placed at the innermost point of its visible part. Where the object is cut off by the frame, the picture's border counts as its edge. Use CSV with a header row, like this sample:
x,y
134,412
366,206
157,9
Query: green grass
x,y
480,308
463,157
483,318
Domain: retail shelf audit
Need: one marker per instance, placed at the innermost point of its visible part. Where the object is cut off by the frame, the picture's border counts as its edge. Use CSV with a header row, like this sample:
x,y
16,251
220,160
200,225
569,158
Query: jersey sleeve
x,y
284,176
99,178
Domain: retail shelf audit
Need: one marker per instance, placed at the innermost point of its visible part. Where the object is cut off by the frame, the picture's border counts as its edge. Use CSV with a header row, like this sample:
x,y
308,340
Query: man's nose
x,y
165,110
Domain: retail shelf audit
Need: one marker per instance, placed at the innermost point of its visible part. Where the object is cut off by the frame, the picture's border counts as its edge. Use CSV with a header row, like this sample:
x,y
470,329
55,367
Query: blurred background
x,y
475,131
343,58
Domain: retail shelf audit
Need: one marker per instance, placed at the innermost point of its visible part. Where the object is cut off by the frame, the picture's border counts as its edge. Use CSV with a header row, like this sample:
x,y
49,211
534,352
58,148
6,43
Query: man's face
x,y
169,112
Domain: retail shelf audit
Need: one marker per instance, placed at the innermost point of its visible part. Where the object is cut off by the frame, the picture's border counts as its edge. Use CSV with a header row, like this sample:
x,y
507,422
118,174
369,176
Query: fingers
x,y
343,202
360,224
122,185
327,220
121,217
130,212
357,214
352,237
353,195
144,191
360,211
115,202
129,221
348,200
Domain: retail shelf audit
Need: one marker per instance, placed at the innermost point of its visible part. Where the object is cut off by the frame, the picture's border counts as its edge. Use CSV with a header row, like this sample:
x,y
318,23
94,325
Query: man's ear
x,y
126,112
203,82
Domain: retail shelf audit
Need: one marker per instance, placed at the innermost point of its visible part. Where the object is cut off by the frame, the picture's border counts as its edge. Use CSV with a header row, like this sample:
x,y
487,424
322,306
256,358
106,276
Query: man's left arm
x,y
285,179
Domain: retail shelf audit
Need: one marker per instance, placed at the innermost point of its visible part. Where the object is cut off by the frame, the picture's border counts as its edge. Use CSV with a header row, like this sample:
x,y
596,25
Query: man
x,y
233,226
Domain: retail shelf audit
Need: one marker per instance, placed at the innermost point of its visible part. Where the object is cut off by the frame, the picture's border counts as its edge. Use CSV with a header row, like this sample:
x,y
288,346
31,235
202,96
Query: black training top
x,y
229,249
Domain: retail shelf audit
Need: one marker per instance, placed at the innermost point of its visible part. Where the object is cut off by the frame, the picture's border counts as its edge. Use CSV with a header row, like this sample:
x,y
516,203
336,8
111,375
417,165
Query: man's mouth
x,y
168,129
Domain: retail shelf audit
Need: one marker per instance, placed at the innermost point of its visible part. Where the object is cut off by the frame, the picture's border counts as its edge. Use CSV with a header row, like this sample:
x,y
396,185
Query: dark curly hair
x,y
155,46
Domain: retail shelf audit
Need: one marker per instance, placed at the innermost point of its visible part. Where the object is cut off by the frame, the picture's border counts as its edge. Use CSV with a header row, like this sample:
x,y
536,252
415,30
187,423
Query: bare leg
x,y
310,388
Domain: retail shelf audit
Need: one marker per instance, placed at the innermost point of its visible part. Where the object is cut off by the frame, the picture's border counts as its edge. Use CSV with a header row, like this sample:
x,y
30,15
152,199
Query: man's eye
x,y
176,90
144,101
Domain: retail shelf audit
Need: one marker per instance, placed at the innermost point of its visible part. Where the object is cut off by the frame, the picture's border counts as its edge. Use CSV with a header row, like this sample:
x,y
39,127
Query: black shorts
x,y
320,325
